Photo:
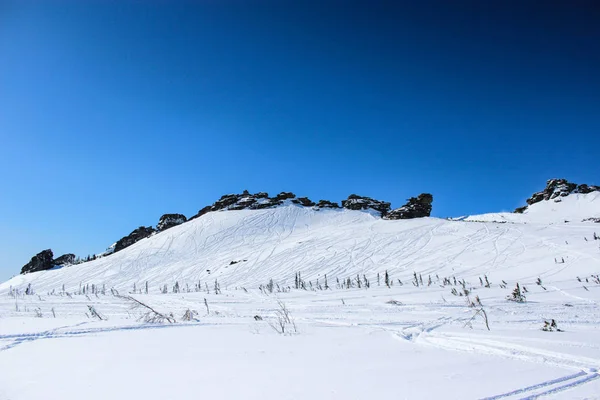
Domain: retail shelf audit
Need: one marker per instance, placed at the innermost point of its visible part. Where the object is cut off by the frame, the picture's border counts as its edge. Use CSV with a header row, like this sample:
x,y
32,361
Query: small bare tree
x,y
479,310
283,322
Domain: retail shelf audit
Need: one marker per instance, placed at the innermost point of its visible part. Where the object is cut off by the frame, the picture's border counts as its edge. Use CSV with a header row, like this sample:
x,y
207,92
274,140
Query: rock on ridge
x,y
355,202
555,189
135,236
65,259
256,201
40,262
327,204
416,207
170,220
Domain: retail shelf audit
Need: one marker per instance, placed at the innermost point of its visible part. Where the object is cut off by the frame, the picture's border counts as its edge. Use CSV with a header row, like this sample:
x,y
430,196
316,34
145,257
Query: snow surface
x,y
405,341
572,208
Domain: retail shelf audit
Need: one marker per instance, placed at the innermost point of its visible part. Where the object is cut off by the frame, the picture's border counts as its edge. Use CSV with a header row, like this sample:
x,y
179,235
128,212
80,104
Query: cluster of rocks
x,y
165,222
555,189
416,207
355,202
256,201
45,260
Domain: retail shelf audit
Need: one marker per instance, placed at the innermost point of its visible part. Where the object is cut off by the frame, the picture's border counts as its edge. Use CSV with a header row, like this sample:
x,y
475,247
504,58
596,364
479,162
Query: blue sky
x,y
114,113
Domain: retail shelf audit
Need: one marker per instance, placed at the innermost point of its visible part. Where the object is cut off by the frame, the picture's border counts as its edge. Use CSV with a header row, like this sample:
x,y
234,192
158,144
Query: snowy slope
x,y
277,243
572,208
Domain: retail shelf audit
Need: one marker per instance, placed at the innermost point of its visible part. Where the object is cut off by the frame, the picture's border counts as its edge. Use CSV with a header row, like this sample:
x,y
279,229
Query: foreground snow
x,y
349,343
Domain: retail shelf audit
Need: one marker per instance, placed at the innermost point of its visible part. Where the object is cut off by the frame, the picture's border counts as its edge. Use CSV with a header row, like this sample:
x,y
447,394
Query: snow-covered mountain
x,y
242,246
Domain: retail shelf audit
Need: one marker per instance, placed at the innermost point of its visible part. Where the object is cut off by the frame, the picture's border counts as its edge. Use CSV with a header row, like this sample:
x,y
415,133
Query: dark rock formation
x,y
303,201
257,201
65,259
135,236
355,202
40,262
170,220
555,189
417,207
202,211
327,204
520,210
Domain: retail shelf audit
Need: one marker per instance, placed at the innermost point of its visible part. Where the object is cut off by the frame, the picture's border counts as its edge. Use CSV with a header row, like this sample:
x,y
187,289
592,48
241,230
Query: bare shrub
x,y
96,314
283,322
189,315
149,314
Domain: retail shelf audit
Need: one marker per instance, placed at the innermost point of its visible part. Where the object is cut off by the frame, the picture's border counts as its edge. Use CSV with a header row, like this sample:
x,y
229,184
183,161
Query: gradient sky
x,y
113,113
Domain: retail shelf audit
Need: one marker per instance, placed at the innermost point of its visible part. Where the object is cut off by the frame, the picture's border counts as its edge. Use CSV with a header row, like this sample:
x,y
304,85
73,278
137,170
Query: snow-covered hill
x,y
65,334
250,247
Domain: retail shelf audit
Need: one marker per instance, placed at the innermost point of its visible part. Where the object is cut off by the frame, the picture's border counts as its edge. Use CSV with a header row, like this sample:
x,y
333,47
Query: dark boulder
x,y
355,202
202,211
303,201
65,259
285,196
135,236
416,207
40,262
170,220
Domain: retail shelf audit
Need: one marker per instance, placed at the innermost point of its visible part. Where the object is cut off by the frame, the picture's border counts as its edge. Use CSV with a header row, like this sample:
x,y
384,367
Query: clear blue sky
x,y
113,113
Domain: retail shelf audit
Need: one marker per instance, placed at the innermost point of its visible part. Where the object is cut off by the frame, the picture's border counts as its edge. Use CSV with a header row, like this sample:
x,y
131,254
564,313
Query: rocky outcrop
x,y
135,236
40,262
65,259
170,220
555,189
256,201
416,207
355,202
327,204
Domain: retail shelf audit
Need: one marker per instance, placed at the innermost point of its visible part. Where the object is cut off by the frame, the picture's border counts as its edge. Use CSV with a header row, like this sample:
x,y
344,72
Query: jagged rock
x,y
284,196
555,189
135,236
355,202
327,204
257,201
170,220
303,201
584,189
417,207
560,187
40,262
202,211
65,259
